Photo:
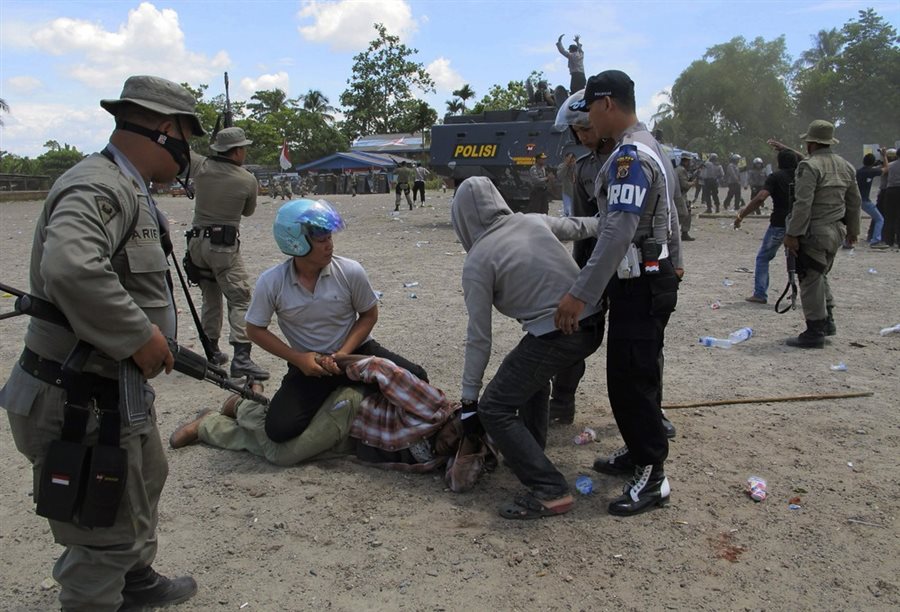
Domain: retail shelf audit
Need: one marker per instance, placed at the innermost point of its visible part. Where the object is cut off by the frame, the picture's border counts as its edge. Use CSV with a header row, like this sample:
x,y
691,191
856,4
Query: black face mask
x,y
178,148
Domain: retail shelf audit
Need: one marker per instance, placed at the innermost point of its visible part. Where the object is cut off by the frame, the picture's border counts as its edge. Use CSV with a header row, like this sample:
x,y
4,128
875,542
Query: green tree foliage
x,y
57,159
418,116
381,89
464,93
512,96
734,98
316,102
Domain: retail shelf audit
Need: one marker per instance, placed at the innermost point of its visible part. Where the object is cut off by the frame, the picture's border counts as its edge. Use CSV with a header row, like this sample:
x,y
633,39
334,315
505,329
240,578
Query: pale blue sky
x,y
59,58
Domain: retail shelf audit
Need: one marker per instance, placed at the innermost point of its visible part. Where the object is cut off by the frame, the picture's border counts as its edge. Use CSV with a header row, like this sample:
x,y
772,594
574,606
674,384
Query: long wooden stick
x,y
766,400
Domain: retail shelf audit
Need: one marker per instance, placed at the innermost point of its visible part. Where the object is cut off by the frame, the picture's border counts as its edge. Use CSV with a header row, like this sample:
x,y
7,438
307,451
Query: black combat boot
x,y
562,410
616,463
242,365
218,357
813,337
830,327
647,489
144,589
668,426
685,237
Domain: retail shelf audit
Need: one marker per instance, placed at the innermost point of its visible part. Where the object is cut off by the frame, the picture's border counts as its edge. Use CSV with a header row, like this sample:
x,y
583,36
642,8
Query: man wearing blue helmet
x,y
325,307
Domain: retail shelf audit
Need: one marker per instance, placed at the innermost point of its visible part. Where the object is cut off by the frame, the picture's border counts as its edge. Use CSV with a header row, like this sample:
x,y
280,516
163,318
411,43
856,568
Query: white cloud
x,y
445,78
24,84
346,25
264,82
149,42
29,126
646,111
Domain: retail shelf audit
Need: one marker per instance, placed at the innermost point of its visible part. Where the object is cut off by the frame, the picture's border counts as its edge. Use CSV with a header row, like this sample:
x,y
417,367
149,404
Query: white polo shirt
x,y
313,321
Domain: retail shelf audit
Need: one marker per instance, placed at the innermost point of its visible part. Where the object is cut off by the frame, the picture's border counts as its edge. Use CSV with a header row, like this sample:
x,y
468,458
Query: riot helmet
x,y
757,161
299,220
566,117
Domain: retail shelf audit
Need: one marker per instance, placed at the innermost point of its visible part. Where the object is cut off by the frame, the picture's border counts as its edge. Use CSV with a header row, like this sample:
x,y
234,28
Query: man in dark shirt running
x,y
865,174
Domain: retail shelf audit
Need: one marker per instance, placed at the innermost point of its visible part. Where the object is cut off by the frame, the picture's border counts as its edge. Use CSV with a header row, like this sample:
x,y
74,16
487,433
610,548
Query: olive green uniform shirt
x,y
225,191
825,192
406,175
111,300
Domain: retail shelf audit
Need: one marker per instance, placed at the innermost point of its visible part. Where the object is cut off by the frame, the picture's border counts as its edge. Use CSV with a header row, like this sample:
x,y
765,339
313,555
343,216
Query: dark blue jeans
x,y
514,406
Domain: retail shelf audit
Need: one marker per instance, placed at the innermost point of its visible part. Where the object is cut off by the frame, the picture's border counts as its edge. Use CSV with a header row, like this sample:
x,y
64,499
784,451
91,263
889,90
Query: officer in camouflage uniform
x,y
826,210
225,193
681,202
635,197
275,188
97,257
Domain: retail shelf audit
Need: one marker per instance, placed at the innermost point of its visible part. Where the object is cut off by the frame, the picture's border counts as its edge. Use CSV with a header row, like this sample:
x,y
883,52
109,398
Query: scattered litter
x,y
794,500
890,330
421,242
7,295
411,284
716,305
586,436
584,484
756,488
379,294
47,584
850,464
727,283
794,506
743,270
873,271
840,367
413,296
244,605
859,522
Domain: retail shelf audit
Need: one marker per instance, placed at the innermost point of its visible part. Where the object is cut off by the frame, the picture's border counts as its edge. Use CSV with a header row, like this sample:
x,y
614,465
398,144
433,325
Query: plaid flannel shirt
x,y
405,411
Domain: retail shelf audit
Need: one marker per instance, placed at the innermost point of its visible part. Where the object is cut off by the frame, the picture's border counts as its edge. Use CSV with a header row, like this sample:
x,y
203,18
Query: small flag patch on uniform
x,y
651,266
59,479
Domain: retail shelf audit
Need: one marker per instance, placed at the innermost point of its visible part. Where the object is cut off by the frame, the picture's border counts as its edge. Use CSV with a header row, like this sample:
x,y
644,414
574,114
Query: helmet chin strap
x,y
177,148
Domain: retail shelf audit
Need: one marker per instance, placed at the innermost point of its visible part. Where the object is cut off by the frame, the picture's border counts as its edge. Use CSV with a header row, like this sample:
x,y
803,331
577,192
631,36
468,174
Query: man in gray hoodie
x,y
516,263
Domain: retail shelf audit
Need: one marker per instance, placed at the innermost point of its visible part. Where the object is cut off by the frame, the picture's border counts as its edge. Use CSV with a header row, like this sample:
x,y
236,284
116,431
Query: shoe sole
x,y
661,502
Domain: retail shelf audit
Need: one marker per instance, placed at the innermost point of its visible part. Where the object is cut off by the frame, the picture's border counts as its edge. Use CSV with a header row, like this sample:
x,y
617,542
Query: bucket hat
x,y
230,138
158,95
820,131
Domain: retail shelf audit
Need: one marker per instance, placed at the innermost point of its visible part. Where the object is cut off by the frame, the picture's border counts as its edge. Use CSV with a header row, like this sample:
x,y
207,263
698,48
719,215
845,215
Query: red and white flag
x,y
283,160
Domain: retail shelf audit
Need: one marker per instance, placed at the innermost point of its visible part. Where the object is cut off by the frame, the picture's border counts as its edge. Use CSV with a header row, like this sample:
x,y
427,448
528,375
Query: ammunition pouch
x,y
81,484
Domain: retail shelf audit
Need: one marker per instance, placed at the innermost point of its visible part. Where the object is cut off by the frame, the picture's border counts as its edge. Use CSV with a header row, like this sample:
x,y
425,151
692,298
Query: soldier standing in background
x,y
97,257
756,178
733,180
405,177
225,193
710,174
539,197
826,197
684,207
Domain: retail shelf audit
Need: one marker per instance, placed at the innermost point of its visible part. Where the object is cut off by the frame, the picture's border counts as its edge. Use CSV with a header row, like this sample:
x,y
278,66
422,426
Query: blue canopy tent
x,y
340,172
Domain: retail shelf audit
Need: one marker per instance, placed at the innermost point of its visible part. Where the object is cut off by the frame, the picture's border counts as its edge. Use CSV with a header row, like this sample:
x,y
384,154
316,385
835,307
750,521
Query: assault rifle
x,y
131,379
228,117
791,262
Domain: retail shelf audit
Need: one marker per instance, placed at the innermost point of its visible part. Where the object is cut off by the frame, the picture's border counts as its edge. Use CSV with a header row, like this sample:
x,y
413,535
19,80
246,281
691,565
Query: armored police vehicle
x,y
501,145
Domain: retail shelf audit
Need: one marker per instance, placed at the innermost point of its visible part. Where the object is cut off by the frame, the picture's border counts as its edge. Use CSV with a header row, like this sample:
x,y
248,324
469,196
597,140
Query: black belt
x,y
206,232
50,372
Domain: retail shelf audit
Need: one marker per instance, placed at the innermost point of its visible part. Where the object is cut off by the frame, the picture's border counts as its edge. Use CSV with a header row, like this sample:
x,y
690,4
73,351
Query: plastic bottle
x,y
735,337
584,484
890,330
756,488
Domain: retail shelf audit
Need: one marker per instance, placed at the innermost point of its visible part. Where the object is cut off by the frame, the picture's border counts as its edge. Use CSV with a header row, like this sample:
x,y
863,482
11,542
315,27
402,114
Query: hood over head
x,y
476,206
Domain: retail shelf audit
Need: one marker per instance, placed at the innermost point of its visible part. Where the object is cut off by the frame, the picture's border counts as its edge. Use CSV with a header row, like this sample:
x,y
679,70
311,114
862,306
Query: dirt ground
x,y
338,535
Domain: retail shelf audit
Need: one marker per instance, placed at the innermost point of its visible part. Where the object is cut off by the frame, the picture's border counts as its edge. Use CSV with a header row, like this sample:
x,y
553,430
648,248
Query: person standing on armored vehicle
x,y
225,193
575,56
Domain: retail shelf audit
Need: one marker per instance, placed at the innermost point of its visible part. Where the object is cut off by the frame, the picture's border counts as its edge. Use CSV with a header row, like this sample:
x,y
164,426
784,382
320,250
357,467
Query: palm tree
x,y
464,93
455,106
267,102
316,102
826,48
4,107
423,117
665,110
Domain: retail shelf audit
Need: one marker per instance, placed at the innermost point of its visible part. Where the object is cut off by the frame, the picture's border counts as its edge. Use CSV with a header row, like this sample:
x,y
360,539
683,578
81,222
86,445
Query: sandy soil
x,y
342,536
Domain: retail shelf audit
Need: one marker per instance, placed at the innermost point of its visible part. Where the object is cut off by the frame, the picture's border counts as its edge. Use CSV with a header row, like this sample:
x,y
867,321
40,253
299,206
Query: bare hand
x,y
316,365
851,240
737,221
567,314
679,272
792,244
154,355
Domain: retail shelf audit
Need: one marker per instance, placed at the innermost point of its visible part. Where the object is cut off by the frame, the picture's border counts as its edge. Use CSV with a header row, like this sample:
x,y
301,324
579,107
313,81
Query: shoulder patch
x,y
627,184
108,208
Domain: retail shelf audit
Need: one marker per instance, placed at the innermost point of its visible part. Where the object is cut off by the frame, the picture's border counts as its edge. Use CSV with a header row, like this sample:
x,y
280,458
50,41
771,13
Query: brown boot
x,y
189,432
229,406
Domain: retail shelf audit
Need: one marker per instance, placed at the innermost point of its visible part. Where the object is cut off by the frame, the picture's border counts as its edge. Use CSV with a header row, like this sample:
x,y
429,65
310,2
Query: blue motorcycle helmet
x,y
298,220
